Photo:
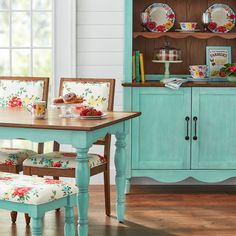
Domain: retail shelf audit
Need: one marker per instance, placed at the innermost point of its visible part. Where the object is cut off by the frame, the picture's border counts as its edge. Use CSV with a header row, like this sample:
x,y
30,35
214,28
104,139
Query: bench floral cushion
x,y
32,189
14,156
63,160
20,93
95,94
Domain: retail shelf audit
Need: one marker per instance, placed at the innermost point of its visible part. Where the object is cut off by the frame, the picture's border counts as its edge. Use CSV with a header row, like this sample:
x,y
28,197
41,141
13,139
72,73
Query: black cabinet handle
x,y
195,128
187,120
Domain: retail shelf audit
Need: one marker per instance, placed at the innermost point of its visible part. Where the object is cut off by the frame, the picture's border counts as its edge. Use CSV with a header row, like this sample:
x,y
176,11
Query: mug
x,y
37,109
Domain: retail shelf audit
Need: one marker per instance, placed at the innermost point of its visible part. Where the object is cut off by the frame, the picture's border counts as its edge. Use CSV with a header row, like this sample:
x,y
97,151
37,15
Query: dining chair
x,y
18,92
98,93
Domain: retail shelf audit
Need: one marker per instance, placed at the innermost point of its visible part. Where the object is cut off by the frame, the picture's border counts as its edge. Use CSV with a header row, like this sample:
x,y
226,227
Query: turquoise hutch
x,y
190,132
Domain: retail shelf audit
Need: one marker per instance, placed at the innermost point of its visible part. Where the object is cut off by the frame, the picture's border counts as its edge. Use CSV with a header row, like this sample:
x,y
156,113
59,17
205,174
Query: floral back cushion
x,y
20,93
95,94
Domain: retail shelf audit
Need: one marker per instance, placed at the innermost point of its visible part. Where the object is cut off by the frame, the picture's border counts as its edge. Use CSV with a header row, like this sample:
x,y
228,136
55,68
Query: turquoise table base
x,y
82,141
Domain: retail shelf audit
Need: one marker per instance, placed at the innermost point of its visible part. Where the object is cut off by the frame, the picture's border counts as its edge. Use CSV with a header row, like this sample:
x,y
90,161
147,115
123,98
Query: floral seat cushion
x,y
32,189
14,156
63,160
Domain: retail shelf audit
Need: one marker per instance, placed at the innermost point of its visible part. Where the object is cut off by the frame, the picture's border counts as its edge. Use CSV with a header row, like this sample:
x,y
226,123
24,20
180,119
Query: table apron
x,y
73,137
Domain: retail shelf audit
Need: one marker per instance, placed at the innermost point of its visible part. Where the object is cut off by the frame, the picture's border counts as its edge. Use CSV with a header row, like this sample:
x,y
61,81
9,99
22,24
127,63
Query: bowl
x,y
188,26
198,71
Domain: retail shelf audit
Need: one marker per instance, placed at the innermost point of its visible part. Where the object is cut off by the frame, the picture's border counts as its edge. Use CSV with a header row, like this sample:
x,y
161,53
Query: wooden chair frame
x,y
106,142
18,168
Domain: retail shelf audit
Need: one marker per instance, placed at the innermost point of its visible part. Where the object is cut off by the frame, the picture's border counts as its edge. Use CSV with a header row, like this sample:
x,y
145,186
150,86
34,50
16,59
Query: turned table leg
x,y
82,181
120,164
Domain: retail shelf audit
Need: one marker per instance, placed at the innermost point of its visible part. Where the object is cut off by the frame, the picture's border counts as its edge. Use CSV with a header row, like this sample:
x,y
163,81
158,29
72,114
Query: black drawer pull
x,y
187,120
195,128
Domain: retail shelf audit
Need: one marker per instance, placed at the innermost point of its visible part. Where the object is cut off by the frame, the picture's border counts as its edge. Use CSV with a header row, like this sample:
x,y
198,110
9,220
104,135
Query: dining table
x,y
81,134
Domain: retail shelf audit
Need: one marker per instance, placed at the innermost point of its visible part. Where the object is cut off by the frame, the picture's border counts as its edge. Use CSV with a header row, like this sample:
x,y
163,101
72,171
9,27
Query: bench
x,y
35,196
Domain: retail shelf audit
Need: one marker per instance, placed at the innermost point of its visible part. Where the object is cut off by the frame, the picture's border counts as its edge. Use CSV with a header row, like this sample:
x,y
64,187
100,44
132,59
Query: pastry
x,y
69,98
58,100
79,100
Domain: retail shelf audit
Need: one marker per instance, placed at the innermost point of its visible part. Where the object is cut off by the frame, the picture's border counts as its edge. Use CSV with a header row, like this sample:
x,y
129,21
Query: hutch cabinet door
x,y
159,137
214,120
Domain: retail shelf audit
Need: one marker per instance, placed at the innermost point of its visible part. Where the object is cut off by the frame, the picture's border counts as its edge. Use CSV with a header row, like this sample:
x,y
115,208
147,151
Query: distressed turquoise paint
x,y
81,140
159,134
215,147
36,212
120,163
211,157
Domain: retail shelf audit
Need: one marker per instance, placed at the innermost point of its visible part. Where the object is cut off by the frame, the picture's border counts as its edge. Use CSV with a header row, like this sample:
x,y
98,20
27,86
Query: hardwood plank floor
x,y
151,211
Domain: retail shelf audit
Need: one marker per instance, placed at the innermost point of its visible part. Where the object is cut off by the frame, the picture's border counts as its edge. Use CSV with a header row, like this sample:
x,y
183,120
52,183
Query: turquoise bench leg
x,y
36,226
69,228
120,163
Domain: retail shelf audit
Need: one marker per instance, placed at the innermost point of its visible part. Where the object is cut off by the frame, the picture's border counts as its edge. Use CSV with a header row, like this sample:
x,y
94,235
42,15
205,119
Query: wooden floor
x,y
151,211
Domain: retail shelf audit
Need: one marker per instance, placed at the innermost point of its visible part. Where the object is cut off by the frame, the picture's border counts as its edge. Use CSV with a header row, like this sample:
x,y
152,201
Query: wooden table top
x,y
21,118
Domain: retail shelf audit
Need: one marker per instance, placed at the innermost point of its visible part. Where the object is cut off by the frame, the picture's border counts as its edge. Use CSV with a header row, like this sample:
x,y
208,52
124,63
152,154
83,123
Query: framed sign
x,y
216,58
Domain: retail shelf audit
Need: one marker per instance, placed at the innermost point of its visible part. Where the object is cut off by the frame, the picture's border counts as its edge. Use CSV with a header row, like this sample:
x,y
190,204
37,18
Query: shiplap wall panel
x,y
100,45
100,18
100,34
100,58
101,5
100,31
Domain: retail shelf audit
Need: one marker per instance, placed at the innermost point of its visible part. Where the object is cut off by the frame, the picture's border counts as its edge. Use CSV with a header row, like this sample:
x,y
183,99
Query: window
x,y
26,36
27,46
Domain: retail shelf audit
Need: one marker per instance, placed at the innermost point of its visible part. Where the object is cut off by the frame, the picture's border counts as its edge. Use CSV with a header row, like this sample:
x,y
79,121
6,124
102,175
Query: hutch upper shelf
x,y
183,35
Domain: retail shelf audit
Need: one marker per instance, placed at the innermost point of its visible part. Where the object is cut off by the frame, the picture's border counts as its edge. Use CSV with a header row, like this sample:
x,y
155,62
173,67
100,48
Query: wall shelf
x,y
183,35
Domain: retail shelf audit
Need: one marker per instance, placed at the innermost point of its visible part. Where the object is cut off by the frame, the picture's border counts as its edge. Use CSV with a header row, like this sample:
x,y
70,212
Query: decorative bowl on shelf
x,y
188,26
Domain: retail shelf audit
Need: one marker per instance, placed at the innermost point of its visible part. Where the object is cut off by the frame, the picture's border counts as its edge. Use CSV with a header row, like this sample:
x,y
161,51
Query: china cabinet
x,y
190,132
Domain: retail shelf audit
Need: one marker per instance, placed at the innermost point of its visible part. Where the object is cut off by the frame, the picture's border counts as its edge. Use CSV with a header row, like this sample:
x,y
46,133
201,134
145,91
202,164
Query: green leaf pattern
x,y
95,94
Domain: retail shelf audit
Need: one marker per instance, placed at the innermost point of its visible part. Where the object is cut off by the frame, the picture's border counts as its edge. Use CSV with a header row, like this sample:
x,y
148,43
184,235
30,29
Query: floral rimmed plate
x,y
161,17
92,117
222,18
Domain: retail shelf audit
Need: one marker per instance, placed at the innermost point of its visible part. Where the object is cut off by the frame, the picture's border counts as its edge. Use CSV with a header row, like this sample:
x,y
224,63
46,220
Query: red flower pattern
x,y
5,178
171,16
69,154
57,164
21,191
221,29
9,163
53,181
11,148
232,16
212,25
151,25
161,28
15,102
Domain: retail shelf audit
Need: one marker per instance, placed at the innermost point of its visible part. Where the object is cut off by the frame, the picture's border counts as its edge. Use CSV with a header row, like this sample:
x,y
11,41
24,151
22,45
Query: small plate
x,y
92,117
187,31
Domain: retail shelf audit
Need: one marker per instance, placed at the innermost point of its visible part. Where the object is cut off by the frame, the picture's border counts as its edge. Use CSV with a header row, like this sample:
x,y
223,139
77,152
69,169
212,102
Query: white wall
x,y
100,47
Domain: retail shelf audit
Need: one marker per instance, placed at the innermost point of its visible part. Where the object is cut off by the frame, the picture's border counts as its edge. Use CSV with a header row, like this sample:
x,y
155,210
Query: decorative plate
x,y
222,18
161,17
